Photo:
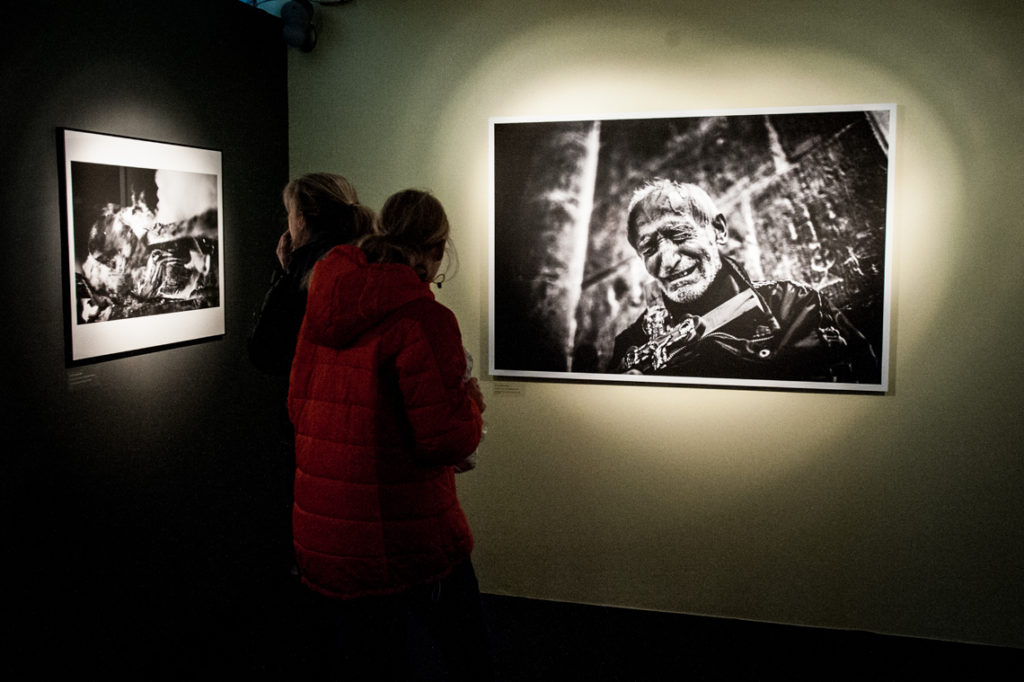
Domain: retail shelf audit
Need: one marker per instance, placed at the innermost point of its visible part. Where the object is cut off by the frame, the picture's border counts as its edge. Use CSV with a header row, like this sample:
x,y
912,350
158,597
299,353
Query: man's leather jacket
x,y
787,332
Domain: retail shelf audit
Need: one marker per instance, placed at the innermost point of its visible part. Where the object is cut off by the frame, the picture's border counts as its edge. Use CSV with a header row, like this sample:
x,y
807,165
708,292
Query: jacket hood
x,y
348,296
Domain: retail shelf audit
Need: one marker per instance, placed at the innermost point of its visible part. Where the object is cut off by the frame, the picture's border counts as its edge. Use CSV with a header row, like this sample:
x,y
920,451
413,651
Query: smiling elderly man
x,y
711,320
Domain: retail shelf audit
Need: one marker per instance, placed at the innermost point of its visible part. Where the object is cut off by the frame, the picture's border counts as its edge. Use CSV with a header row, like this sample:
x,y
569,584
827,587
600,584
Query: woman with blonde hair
x,y
382,417
323,212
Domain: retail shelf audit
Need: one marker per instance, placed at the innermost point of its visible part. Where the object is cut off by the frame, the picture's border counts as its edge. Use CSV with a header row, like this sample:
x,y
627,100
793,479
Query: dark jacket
x,y
792,333
381,414
275,329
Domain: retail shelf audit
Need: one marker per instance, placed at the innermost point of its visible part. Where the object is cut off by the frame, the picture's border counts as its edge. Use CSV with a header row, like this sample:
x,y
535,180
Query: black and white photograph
x,y
144,243
722,248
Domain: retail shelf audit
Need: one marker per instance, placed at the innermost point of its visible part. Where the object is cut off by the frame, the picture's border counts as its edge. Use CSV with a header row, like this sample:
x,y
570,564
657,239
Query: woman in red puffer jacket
x,y
383,415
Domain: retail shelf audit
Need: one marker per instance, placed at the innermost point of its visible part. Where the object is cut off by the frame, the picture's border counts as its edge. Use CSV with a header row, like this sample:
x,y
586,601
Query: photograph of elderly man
x,y
739,248
711,320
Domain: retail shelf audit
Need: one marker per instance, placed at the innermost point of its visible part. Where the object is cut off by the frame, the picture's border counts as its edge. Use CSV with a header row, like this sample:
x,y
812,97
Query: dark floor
x,y
175,639
536,640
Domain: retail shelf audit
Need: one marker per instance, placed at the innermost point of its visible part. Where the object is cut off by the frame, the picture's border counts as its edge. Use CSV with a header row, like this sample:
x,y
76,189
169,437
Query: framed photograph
x,y
724,248
144,238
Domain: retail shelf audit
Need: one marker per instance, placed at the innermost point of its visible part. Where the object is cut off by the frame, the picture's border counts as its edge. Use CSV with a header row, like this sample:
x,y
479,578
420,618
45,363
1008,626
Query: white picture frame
x,y
144,237
806,191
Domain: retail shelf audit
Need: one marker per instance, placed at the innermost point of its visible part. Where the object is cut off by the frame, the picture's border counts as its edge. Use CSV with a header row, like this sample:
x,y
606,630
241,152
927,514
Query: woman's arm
x,y
443,409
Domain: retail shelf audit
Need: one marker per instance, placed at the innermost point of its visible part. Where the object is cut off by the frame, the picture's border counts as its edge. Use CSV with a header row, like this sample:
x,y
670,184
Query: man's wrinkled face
x,y
680,252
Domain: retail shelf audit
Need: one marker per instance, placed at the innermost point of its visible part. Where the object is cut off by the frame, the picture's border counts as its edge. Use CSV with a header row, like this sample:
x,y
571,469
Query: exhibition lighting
x,y
301,22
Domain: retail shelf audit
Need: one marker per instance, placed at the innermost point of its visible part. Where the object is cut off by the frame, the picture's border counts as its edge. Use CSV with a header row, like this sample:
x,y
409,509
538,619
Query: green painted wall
x,y
899,513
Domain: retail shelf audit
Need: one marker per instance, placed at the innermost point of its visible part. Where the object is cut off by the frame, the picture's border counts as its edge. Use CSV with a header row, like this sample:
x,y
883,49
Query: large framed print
x,y
721,248
143,225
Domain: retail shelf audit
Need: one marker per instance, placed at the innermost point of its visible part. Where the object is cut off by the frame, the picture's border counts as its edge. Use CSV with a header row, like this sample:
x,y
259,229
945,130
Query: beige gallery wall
x,y
899,513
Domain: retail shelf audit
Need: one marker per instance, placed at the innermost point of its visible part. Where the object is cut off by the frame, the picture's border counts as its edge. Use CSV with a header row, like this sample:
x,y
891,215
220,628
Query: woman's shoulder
x,y
428,312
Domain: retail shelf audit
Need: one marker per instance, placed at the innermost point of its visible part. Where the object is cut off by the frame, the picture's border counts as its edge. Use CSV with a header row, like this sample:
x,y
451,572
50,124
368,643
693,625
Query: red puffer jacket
x,y
381,414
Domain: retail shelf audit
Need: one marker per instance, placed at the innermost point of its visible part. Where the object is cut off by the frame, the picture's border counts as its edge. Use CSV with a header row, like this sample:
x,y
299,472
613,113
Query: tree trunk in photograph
x,y
560,197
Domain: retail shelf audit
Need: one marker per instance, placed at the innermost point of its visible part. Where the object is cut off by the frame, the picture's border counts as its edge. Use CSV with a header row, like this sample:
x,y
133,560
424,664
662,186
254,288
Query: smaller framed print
x,y
143,228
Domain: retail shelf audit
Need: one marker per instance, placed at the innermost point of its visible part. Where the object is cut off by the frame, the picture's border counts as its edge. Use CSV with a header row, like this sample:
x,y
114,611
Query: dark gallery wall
x,y
145,504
